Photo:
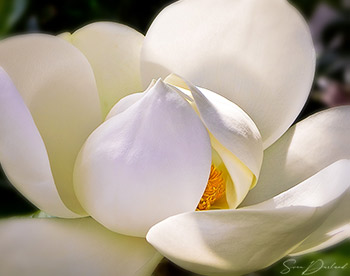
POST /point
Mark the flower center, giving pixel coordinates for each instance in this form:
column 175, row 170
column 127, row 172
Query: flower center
column 214, row 191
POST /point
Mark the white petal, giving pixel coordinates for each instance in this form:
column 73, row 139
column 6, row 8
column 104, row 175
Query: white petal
column 145, row 164
column 124, row 104
column 306, row 148
column 57, row 84
column 315, row 190
column 243, row 179
column 336, row 227
column 244, row 240
column 334, row 230
column 258, row 54
column 233, row 135
column 127, row 101
column 231, row 126
column 322, row 239
column 71, row 247
column 113, row 51
column 22, row 152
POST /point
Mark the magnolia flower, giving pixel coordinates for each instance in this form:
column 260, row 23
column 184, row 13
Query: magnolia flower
column 216, row 140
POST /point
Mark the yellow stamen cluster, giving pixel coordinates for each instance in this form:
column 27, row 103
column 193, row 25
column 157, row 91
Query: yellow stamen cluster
column 214, row 191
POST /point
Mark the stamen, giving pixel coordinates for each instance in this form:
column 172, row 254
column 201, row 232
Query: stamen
column 214, row 191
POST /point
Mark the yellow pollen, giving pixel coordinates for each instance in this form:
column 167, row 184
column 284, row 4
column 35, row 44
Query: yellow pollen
column 214, row 191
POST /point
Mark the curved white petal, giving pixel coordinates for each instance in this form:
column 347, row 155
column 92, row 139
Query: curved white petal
column 231, row 126
column 334, row 230
column 145, row 164
column 243, row 179
column 233, row 135
column 127, row 101
column 258, row 54
column 124, row 104
column 244, row 240
column 71, row 247
column 113, row 51
column 57, row 84
column 306, row 148
column 321, row 240
column 22, row 152
column 336, row 227
column 302, row 151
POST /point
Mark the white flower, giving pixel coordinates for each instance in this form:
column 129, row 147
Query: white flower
column 153, row 157
column 144, row 170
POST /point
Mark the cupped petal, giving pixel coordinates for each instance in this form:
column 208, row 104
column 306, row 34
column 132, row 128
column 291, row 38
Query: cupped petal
column 23, row 154
column 244, row 240
column 233, row 135
column 306, row 148
column 334, row 230
column 113, row 51
column 322, row 239
column 145, row 164
column 231, row 127
column 57, row 84
column 71, row 247
column 258, row 54
column 336, row 227
column 242, row 178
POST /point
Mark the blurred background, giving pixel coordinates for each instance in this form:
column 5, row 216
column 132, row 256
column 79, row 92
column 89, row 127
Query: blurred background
column 329, row 21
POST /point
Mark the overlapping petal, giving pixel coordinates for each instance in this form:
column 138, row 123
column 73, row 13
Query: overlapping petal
column 113, row 51
column 128, row 101
column 23, row 154
column 244, row 240
column 306, row 148
column 57, row 85
column 233, row 135
column 71, row 247
column 335, row 229
column 258, row 54
column 144, row 164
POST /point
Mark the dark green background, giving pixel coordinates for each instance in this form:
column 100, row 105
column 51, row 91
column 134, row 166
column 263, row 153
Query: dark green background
column 24, row 16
